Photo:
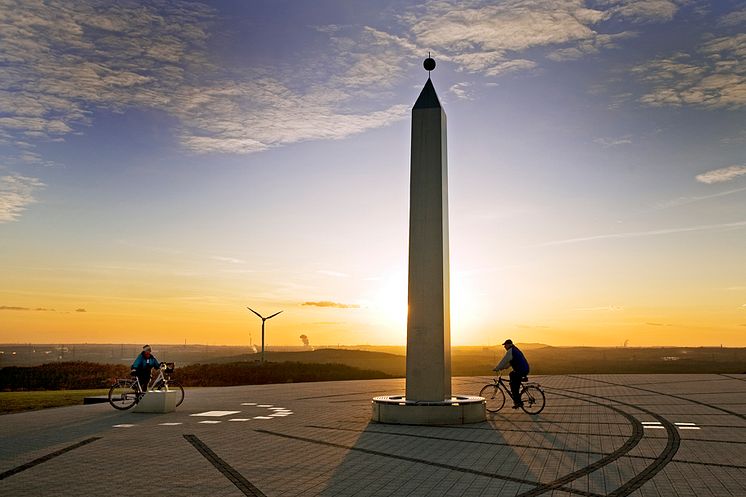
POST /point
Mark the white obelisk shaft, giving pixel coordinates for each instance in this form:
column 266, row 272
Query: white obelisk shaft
column 428, row 321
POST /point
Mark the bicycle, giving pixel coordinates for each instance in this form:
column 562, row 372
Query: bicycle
column 532, row 395
column 126, row 392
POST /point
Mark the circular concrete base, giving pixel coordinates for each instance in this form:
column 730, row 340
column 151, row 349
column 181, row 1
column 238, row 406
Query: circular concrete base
column 458, row 410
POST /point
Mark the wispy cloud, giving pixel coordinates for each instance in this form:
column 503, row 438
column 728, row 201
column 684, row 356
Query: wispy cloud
column 484, row 37
column 613, row 142
column 462, row 90
column 367, row 57
column 695, row 198
column 64, row 60
column 531, row 326
column 607, row 308
column 327, row 303
column 16, row 193
column 230, row 260
column 644, row 11
column 713, row 76
column 723, row 174
column 243, row 117
column 735, row 18
column 336, row 274
column 80, row 309
column 637, row 234
column 16, row 308
column 591, row 46
column 658, row 324
column 737, row 138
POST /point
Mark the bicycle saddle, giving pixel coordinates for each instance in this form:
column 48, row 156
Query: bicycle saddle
column 524, row 379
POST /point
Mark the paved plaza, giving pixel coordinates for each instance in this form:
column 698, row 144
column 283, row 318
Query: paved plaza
column 682, row 435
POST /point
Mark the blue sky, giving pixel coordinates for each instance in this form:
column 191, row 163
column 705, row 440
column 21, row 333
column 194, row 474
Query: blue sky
column 183, row 158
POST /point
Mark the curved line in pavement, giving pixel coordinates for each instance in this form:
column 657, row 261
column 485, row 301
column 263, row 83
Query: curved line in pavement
column 631, row 443
column 739, row 415
column 672, row 446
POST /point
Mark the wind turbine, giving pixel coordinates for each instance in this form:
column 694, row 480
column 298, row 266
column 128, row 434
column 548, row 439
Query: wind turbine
column 263, row 320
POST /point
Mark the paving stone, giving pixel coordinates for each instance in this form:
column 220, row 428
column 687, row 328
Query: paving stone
column 588, row 440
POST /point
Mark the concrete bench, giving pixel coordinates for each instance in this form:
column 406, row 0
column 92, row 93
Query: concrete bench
column 158, row 402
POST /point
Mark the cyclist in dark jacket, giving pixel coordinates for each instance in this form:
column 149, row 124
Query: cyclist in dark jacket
column 142, row 366
column 515, row 358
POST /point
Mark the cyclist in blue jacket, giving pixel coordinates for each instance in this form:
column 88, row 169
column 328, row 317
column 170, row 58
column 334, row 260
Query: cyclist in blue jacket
column 144, row 362
column 515, row 358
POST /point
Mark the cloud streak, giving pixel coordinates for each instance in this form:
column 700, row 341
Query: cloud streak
column 722, row 175
column 335, row 274
column 613, row 142
column 689, row 200
column 487, row 37
column 16, row 308
column 713, row 76
column 230, row 260
column 327, row 303
column 16, row 193
column 637, row 234
column 461, row 90
column 644, row 11
column 608, row 308
column 63, row 61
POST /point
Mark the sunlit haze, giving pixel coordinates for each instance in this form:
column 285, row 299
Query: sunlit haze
column 163, row 165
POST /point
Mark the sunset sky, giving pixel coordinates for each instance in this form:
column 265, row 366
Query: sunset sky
column 165, row 164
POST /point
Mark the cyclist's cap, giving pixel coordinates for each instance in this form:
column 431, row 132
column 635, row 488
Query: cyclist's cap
column 508, row 342
column 146, row 348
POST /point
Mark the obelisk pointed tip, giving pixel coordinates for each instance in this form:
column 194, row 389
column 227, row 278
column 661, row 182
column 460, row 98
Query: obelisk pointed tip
column 428, row 99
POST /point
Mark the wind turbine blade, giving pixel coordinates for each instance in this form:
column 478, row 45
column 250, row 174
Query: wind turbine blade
column 252, row 310
column 273, row 315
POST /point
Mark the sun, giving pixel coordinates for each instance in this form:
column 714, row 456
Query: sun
column 388, row 305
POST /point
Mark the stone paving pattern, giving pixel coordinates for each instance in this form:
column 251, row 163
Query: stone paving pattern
column 599, row 435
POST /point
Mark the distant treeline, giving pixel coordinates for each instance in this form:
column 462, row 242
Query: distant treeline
column 60, row 376
column 251, row 373
column 87, row 375
column 620, row 360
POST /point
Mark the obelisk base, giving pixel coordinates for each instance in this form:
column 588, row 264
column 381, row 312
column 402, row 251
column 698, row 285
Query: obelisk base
column 458, row 410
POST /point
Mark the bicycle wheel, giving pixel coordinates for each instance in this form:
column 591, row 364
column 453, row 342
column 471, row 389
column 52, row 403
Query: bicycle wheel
column 493, row 396
column 122, row 396
column 173, row 386
column 533, row 399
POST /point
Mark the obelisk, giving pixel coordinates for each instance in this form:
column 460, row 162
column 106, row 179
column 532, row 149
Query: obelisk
column 428, row 320
column 428, row 399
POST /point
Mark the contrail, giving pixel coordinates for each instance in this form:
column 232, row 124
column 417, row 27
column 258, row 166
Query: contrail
column 635, row 234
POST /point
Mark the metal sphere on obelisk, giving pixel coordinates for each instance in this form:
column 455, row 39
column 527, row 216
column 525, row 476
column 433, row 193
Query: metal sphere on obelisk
column 428, row 398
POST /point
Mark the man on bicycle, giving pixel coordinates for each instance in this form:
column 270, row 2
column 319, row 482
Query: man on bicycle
column 144, row 362
column 515, row 358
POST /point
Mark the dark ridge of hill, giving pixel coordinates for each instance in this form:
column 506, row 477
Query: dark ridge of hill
column 615, row 360
column 254, row 373
column 88, row 375
column 391, row 364
column 465, row 360
column 36, row 354
column 478, row 361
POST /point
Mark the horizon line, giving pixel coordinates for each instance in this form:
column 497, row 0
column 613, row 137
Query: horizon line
column 339, row 345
